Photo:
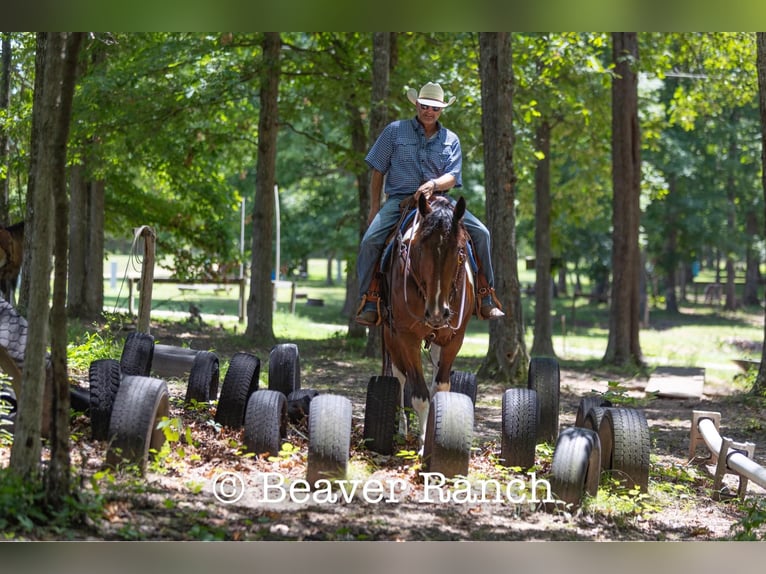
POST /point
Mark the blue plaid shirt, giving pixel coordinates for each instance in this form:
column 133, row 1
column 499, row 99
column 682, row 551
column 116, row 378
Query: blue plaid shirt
column 409, row 160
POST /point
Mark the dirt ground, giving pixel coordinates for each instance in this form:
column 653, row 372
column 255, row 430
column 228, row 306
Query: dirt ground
column 176, row 500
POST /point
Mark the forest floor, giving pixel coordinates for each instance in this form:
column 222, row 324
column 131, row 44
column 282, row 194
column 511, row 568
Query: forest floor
column 176, row 498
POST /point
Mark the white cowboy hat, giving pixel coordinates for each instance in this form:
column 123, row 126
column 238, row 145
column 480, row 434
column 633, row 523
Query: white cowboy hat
column 430, row 95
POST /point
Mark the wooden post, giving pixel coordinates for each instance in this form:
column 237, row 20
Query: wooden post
column 292, row 299
column 242, row 283
column 147, row 279
column 130, row 296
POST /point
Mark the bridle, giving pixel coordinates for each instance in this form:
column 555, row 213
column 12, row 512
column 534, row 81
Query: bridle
column 409, row 272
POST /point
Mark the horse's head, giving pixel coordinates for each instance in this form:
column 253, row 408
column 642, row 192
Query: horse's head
column 437, row 252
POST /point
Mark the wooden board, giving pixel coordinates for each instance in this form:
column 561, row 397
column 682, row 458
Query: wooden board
column 677, row 382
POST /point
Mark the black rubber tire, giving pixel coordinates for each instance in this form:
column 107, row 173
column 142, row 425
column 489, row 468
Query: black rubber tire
column 104, row 377
column 544, row 377
column 329, row 438
column 380, row 411
column 13, row 332
column 8, row 396
column 79, row 399
column 521, row 414
column 449, row 434
column 299, row 405
column 204, row 377
column 240, row 382
column 625, row 446
column 265, row 422
column 576, row 466
column 592, row 420
column 140, row 404
column 284, row 368
column 586, row 404
column 137, row 354
column 465, row 383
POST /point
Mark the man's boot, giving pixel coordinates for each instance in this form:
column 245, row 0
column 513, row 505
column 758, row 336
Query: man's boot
column 368, row 313
column 488, row 305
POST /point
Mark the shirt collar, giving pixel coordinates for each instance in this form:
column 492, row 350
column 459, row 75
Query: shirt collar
column 420, row 129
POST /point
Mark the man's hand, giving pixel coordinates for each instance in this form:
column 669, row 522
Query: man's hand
column 426, row 190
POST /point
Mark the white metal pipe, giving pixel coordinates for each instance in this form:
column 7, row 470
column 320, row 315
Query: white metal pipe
column 735, row 460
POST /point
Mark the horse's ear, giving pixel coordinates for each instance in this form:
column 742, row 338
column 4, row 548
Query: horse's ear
column 459, row 210
column 423, row 205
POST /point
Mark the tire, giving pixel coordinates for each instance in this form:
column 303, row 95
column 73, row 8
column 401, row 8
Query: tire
column 576, row 466
column 240, row 382
column 449, row 435
column 544, row 378
column 13, row 332
column 299, row 405
column 137, row 354
column 140, row 404
column 265, row 422
column 593, row 418
column 465, row 383
column 329, row 438
column 521, row 414
column 104, row 377
column 79, row 399
column 380, row 414
column 586, row 404
column 284, row 368
column 8, row 396
column 625, row 445
column 203, row 378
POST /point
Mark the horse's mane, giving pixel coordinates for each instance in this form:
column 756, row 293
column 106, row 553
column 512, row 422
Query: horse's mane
column 440, row 218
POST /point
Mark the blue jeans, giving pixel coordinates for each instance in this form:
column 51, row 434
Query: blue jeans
column 374, row 241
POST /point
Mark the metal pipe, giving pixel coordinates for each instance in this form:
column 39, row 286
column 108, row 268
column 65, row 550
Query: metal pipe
column 735, row 460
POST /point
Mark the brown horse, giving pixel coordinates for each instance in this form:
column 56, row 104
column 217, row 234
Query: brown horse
column 430, row 301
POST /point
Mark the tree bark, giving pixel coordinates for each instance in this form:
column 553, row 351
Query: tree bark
column 506, row 359
column 85, row 293
column 759, row 386
column 58, row 483
column 383, row 45
column 260, row 310
column 730, row 293
column 623, row 346
column 5, row 102
column 54, row 78
column 542, row 344
column 752, row 261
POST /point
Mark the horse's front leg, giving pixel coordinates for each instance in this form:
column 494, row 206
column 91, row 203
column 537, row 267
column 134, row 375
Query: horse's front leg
column 421, row 400
column 402, row 411
column 440, row 380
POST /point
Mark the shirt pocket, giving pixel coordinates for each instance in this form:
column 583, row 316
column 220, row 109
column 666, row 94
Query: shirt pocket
column 405, row 150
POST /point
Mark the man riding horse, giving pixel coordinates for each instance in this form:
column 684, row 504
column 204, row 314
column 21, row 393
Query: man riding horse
column 417, row 156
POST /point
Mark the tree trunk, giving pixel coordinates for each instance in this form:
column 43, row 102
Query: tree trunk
column 5, row 102
column 58, row 483
column 730, row 293
column 54, row 85
column 752, row 261
column 85, row 293
column 759, row 386
column 506, row 359
column 542, row 344
column 624, row 315
column 260, row 310
column 383, row 46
